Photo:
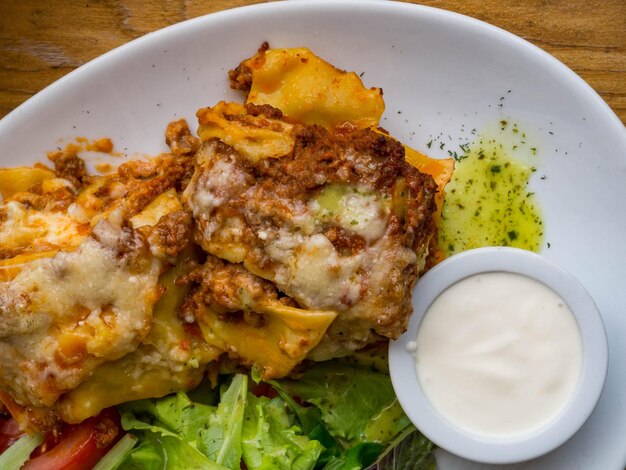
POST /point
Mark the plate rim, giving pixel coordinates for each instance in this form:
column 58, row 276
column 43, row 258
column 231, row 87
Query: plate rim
column 228, row 14
column 616, row 131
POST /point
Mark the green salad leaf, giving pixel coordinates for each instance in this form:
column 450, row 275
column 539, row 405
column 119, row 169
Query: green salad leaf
column 159, row 452
column 310, row 418
column 118, row 453
column 355, row 413
column 348, row 397
column 221, row 440
column 160, row 448
column 411, row 450
column 174, row 413
column 19, row 452
column 177, row 431
column 387, row 424
column 337, row 416
column 356, row 458
column 271, row 440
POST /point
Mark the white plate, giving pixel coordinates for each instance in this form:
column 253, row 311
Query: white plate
column 442, row 73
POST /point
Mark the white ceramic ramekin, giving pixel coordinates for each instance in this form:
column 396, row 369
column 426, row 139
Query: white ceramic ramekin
column 526, row 446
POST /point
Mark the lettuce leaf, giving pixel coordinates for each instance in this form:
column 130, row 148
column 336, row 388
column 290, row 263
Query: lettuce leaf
column 355, row 413
column 221, row 438
column 271, row 440
column 161, row 448
column 348, row 418
column 355, row 458
column 310, row 418
column 387, row 424
column 19, row 452
column 349, row 399
column 158, row 452
column 175, row 413
column 175, row 429
column 411, row 450
column 117, row 454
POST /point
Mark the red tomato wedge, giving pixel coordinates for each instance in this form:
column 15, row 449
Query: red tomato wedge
column 262, row 389
column 81, row 446
column 9, row 433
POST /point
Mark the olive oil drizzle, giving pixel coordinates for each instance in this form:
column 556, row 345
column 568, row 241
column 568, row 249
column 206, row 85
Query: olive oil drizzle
column 488, row 202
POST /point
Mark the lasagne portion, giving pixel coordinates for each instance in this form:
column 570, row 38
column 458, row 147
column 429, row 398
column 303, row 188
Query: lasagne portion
column 334, row 218
column 80, row 265
column 292, row 228
column 250, row 319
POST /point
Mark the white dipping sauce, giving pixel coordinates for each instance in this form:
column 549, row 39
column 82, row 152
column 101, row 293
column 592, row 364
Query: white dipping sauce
column 498, row 354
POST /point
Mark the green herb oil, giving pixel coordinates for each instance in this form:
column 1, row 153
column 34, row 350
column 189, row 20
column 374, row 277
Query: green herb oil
column 488, row 202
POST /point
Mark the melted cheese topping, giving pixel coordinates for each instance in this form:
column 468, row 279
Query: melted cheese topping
column 25, row 226
column 169, row 359
column 76, row 313
column 320, row 277
column 219, row 183
column 76, row 309
column 65, row 314
column 90, row 277
column 356, row 210
column 284, row 240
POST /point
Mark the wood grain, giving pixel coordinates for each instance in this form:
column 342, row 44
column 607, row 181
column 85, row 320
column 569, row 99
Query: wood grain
column 42, row 41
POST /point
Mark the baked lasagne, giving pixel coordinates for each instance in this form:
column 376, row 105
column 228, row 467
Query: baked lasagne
column 291, row 228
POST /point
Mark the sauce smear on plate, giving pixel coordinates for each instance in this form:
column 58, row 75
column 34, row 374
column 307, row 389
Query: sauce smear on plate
column 488, row 202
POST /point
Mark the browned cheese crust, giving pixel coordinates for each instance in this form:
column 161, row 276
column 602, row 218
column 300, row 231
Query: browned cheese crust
column 341, row 222
column 80, row 263
column 301, row 228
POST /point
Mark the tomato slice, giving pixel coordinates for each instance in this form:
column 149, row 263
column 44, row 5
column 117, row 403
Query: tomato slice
column 81, row 446
column 9, row 433
column 262, row 389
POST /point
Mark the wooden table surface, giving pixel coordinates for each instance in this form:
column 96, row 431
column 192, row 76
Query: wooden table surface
column 40, row 41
